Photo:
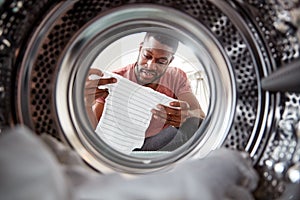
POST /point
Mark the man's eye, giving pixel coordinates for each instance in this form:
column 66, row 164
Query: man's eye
column 162, row 62
column 147, row 57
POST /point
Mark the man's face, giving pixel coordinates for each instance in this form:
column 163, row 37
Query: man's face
column 153, row 60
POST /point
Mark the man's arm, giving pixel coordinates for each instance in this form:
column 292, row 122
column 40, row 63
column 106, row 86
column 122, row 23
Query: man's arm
column 97, row 111
column 195, row 109
column 93, row 94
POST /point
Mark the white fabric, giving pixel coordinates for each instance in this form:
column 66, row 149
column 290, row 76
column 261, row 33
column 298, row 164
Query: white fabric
column 127, row 113
column 30, row 170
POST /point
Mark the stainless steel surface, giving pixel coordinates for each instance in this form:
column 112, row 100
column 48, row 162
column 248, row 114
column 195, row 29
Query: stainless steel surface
column 46, row 49
column 75, row 64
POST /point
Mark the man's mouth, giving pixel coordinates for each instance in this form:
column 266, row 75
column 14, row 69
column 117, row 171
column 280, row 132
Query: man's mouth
column 146, row 74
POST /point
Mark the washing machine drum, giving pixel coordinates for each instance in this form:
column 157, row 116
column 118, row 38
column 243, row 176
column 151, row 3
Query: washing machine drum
column 226, row 49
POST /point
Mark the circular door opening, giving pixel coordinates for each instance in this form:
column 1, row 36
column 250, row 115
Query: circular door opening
column 83, row 53
column 48, row 47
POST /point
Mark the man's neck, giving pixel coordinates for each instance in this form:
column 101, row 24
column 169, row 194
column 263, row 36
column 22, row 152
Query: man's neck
column 152, row 85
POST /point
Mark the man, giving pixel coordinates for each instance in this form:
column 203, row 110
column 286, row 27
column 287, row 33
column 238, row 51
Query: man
column 152, row 70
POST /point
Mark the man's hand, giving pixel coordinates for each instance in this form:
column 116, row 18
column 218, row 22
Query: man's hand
column 93, row 81
column 92, row 93
column 175, row 114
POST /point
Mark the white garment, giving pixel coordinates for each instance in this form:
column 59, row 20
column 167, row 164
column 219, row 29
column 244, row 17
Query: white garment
column 127, row 113
column 30, row 170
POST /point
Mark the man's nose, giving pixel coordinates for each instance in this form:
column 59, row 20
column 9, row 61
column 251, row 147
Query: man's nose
column 151, row 64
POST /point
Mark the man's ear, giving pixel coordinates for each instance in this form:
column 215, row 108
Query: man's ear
column 171, row 59
column 141, row 46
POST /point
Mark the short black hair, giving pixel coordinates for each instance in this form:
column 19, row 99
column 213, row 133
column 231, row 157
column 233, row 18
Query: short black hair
column 164, row 39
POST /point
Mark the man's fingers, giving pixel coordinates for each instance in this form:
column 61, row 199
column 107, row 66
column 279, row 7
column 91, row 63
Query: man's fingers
column 94, row 71
column 168, row 110
column 182, row 104
column 173, row 116
column 101, row 93
column 105, row 81
column 165, row 118
column 94, row 78
column 92, row 86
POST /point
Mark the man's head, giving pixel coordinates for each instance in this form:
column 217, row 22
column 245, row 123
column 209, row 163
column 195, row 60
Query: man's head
column 155, row 54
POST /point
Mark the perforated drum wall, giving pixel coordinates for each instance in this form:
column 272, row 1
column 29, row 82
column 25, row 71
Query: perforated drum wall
column 253, row 36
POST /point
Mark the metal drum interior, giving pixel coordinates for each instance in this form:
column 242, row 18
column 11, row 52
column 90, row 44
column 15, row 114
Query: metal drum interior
column 46, row 49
